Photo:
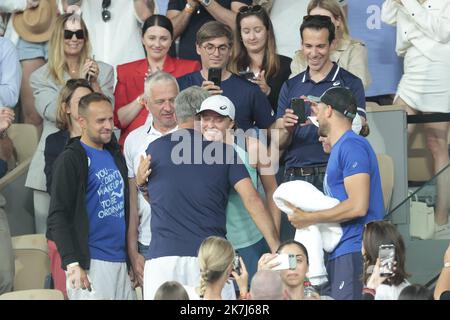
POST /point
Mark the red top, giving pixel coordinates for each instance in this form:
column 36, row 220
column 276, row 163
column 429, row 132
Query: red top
column 130, row 84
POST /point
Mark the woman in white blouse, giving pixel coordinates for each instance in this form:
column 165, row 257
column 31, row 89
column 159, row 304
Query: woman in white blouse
column 423, row 39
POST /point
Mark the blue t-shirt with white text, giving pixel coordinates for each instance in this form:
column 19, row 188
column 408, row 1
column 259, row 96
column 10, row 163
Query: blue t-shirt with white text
column 105, row 205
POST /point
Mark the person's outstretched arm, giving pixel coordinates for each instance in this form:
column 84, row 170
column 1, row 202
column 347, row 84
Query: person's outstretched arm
column 443, row 283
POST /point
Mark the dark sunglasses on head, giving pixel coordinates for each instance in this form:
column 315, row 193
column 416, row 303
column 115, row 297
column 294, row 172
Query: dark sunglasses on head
column 317, row 17
column 79, row 34
column 249, row 9
column 106, row 14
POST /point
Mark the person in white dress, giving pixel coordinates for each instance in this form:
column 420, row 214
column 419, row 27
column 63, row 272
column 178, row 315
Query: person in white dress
column 423, row 39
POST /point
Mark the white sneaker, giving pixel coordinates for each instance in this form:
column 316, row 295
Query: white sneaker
column 442, row 231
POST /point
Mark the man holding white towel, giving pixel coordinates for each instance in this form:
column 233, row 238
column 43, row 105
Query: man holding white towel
column 352, row 177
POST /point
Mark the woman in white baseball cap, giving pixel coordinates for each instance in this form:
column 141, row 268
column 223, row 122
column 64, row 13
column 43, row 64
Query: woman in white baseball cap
column 217, row 123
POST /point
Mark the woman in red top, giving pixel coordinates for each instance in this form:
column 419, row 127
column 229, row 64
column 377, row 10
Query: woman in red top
column 157, row 37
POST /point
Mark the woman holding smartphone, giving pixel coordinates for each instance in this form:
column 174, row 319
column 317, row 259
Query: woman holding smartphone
column 382, row 234
column 215, row 258
column 157, row 37
column 293, row 279
column 254, row 53
column 68, row 58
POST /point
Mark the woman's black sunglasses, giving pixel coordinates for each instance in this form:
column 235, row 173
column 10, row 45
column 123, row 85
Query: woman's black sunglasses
column 79, row 34
column 250, row 9
column 106, row 14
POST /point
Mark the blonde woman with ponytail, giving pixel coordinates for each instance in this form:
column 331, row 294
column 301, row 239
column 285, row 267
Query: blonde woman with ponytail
column 215, row 259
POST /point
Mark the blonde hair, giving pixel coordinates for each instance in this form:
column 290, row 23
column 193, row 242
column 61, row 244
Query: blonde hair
column 63, row 120
column 215, row 255
column 171, row 290
column 57, row 63
column 337, row 12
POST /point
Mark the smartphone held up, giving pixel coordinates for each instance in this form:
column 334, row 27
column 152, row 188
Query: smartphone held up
column 88, row 75
column 247, row 75
column 386, row 254
column 237, row 263
column 285, row 261
column 215, row 75
column 299, row 107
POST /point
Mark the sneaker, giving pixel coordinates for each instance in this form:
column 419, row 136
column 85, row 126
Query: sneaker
column 442, row 232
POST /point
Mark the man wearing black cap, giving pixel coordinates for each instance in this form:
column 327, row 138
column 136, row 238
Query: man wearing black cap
column 353, row 178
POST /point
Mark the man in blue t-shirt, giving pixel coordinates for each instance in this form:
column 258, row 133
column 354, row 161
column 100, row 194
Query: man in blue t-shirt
column 89, row 208
column 188, row 16
column 214, row 41
column 188, row 192
column 353, row 178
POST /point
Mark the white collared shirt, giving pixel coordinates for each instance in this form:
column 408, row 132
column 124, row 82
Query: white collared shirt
column 426, row 26
column 136, row 144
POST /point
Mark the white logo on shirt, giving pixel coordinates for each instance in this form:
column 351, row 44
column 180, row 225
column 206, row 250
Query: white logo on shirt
column 336, row 83
column 355, row 164
column 342, row 285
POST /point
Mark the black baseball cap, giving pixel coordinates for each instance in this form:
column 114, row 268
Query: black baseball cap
column 340, row 99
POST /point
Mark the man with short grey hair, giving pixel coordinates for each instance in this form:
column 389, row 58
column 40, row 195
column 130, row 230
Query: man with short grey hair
column 187, row 105
column 188, row 190
column 160, row 90
column 267, row 285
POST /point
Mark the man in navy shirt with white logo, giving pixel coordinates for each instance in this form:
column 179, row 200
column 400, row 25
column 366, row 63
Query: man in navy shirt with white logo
column 188, row 192
column 303, row 154
column 353, row 178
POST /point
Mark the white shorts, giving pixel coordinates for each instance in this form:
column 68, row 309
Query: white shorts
column 185, row 270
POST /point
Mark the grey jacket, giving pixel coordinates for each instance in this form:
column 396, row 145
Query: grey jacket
column 46, row 93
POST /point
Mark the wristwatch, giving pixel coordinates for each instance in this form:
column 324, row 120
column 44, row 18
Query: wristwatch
column 206, row 3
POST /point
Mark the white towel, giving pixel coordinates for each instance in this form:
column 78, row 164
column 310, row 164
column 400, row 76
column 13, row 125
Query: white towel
column 316, row 238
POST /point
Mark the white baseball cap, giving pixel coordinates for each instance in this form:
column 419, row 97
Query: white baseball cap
column 220, row 104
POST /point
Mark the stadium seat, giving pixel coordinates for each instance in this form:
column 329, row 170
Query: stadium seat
column 32, row 262
column 20, row 213
column 33, row 294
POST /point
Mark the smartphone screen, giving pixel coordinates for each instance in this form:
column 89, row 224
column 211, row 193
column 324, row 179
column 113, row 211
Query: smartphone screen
column 248, row 75
column 298, row 106
column 286, row 261
column 236, row 264
column 386, row 254
column 215, row 75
